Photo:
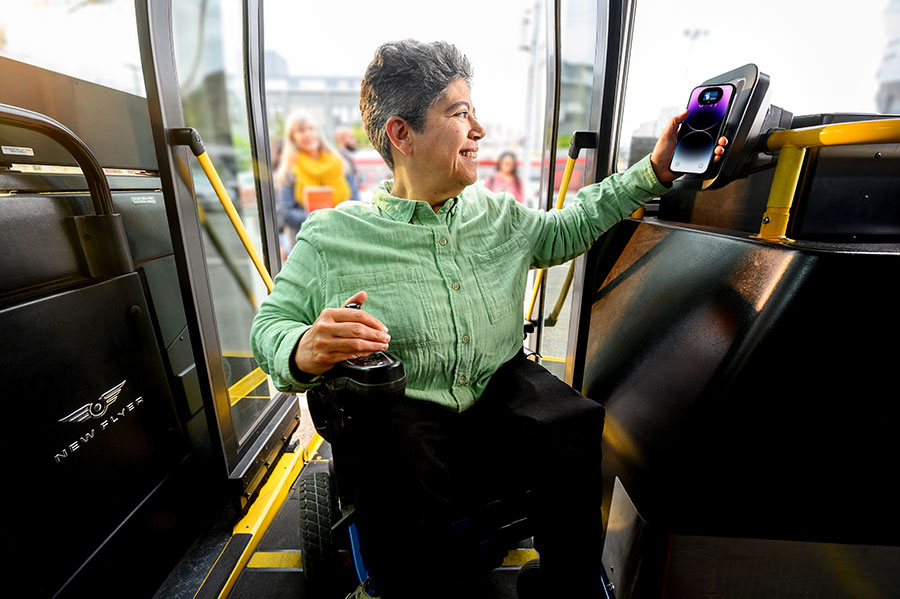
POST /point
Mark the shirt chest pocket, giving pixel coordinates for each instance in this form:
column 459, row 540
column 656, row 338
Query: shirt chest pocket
column 501, row 277
column 400, row 300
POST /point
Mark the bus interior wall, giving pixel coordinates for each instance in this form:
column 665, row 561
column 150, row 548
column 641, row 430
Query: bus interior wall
column 749, row 385
column 116, row 436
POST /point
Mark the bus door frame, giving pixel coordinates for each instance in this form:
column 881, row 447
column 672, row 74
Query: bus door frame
column 248, row 459
column 615, row 26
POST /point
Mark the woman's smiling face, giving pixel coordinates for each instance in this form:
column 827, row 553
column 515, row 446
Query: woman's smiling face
column 446, row 150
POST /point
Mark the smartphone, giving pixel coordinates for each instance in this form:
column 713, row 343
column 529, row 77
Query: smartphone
column 708, row 110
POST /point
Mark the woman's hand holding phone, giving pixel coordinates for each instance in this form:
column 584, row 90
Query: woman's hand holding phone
column 663, row 152
column 699, row 143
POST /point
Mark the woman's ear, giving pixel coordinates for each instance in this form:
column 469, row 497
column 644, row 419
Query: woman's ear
column 400, row 134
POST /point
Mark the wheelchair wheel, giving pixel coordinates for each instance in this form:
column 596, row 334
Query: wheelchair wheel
column 318, row 549
column 530, row 581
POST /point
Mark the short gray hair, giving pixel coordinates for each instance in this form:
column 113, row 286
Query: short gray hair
column 404, row 79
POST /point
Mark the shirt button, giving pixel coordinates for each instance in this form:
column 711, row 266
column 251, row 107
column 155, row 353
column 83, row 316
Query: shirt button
column 465, row 339
column 442, row 241
column 462, row 379
column 455, row 286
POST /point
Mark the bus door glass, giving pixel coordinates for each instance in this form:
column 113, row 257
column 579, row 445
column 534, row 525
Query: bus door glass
column 577, row 20
column 209, row 57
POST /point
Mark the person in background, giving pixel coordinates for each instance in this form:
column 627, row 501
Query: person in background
column 345, row 140
column 506, row 178
column 306, row 161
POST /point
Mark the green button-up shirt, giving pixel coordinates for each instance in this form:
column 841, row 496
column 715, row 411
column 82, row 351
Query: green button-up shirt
column 449, row 285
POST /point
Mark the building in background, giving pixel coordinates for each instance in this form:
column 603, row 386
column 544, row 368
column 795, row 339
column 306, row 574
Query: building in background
column 333, row 101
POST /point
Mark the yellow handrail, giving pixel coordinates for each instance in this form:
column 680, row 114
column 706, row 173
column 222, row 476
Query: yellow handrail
column 837, row 134
column 563, row 189
column 235, row 219
column 792, row 145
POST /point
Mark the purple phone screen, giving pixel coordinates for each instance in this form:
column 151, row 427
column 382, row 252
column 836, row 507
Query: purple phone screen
column 697, row 138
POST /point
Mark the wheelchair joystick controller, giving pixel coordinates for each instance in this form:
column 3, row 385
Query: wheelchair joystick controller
column 380, row 373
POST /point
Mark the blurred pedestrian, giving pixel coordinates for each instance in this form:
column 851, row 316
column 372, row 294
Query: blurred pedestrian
column 506, row 177
column 307, row 164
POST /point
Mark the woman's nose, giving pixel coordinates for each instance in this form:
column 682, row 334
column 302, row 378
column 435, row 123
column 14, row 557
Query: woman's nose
column 477, row 132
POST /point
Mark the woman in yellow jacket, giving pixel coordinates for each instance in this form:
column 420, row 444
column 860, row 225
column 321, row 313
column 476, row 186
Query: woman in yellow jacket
column 306, row 162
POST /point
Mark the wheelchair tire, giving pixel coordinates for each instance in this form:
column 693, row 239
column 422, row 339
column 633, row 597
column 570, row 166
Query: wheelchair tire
column 530, row 582
column 317, row 547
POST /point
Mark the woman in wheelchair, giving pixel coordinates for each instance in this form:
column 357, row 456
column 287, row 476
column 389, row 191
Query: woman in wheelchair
column 439, row 267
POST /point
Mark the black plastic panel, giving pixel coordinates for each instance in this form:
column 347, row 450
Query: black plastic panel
column 749, row 387
column 95, row 431
column 38, row 242
column 165, row 295
column 836, row 204
column 39, row 245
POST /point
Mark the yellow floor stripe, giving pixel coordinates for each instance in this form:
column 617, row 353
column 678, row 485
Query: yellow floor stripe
column 519, row 557
column 247, row 384
column 276, row 559
column 552, row 359
column 259, row 516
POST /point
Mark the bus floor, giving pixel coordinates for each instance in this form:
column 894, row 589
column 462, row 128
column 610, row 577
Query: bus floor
column 275, row 569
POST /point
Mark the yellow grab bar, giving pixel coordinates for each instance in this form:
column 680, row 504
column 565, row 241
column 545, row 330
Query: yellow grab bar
column 563, row 189
column 189, row 137
column 235, row 219
column 792, row 145
column 837, row 134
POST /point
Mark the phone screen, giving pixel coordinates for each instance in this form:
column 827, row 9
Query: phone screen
column 707, row 113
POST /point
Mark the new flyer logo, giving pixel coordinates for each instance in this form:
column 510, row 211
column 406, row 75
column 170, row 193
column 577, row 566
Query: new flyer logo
column 96, row 410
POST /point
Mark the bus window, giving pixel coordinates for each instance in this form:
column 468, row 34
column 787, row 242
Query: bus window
column 316, row 56
column 818, row 60
column 81, row 47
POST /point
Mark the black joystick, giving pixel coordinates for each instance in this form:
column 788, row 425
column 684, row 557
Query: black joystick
column 380, row 373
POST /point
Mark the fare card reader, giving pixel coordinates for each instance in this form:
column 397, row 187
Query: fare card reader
column 750, row 118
